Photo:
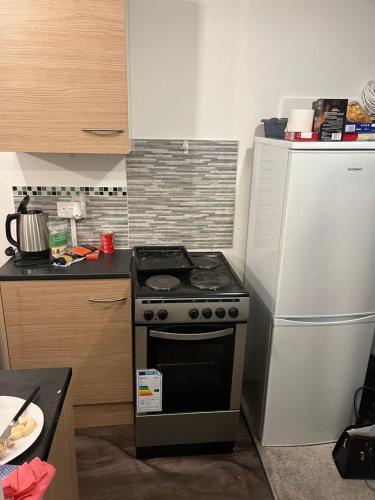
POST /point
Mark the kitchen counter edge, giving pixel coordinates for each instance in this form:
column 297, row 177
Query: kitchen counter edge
column 109, row 266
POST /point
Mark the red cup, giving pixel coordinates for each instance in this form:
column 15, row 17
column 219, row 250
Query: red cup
column 106, row 242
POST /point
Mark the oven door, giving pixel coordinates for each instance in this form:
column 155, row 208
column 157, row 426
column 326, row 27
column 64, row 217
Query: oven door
column 196, row 362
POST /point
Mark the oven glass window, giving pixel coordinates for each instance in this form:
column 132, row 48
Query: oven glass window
column 197, row 374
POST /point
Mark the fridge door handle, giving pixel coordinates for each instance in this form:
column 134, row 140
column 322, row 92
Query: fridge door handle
column 324, row 321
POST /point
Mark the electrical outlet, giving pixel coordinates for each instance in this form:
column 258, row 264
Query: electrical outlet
column 65, row 209
column 74, row 209
column 71, row 209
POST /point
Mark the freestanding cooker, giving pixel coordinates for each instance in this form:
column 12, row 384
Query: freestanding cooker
column 190, row 314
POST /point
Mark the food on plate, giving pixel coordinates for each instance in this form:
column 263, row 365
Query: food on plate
column 17, row 433
column 3, row 448
column 29, row 427
column 23, row 428
column 10, row 442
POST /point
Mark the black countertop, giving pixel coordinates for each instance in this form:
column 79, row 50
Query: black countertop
column 109, row 266
column 53, row 383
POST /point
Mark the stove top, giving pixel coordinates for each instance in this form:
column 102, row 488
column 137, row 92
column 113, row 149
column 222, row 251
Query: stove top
column 211, row 275
column 209, row 292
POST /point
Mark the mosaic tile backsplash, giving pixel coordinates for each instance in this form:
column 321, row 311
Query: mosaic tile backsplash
column 106, row 209
column 173, row 195
column 68, row 191
column 182, row 197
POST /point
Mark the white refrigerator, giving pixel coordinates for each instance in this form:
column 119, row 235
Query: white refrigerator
column 310, row 269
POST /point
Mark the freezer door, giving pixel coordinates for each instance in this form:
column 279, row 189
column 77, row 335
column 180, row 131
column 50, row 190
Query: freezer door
column 327, row 252
column 314, row 371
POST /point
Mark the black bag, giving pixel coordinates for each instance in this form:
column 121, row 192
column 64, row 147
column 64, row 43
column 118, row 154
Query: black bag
column 354, row 456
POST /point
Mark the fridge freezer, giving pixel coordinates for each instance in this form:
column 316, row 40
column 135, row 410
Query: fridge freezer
column 310, row 265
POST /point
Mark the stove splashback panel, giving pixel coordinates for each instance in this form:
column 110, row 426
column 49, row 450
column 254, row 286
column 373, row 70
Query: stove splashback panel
column 178, row 197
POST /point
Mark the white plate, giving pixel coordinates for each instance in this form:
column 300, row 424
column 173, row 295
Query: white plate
column 9, row 405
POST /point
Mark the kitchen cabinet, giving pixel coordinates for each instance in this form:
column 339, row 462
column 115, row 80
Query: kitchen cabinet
column 84, row 324
column 63, row 85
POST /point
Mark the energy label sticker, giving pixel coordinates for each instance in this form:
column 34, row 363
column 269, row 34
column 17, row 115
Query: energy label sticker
column 149, row 385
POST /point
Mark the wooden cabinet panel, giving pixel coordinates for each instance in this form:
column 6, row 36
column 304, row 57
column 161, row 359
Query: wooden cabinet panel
column 54, row 324
column 63, row 457
column 63, row 68
column 106, row 414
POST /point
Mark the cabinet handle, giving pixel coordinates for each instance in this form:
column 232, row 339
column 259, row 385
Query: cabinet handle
column 103, row 131
column 108, row 301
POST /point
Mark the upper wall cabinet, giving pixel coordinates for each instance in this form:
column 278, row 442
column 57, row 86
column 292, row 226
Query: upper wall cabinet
column 63, row 76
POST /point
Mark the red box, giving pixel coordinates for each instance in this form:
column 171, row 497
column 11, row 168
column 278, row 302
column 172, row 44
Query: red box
column 350, row 136
column 301, row 136
column 94, row 255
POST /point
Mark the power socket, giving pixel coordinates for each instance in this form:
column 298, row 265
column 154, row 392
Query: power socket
column 65, row 209
column 71, row 209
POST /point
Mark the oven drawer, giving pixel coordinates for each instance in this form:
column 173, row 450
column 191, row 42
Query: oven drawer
column 186, row 428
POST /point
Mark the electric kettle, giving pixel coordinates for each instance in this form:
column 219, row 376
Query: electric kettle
column 32, row 231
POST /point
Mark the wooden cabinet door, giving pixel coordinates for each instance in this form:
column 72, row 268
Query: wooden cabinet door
column 63, row 69
column 69, row 324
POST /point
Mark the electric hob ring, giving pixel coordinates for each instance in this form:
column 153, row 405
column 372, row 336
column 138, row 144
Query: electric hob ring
column 162, row 282
column 202, row 262
column 209, row 280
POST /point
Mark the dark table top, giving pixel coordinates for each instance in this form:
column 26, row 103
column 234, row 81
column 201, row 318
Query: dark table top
column 109, row 266
column 53, row 383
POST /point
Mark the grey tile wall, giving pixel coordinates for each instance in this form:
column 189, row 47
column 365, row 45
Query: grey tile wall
column 106, row 209
column 172, row 197
column 182, row 198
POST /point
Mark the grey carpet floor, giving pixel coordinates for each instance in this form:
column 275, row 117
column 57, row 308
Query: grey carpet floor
column 309, row 473
column 108, row 470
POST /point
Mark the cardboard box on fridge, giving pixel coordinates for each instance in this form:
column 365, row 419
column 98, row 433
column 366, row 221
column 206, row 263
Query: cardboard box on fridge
column 355, row 136
column 329, row 118
column 350, row 136
column 301, row 136
column 359, row 127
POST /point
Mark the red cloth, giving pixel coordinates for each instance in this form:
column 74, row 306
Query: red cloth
column 29, row 482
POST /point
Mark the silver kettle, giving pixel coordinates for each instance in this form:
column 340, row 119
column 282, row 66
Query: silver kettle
column 32, row 231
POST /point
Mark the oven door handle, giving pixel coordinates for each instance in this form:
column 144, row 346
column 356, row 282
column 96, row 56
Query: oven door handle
column 191, row 336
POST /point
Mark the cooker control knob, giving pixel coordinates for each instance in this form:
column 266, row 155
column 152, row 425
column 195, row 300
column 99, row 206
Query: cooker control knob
column 220, row 312
column 148, row 314
column 194, row 313
column 233, row 312
column 163, row 314
column 207, row 313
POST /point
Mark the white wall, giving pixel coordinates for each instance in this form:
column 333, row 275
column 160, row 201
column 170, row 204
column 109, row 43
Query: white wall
column 211, row 69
